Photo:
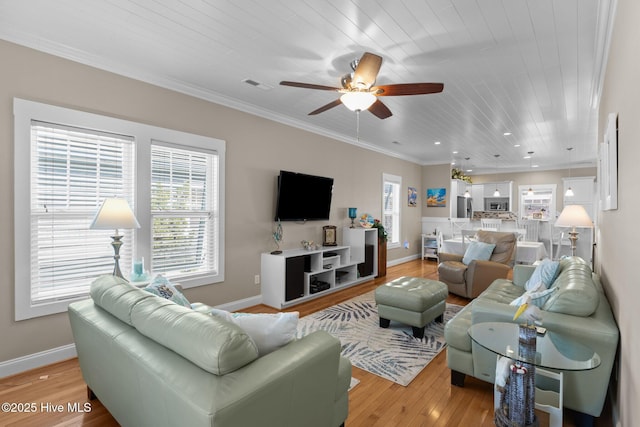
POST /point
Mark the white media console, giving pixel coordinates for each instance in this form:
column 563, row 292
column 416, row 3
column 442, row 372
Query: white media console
column 298, row 275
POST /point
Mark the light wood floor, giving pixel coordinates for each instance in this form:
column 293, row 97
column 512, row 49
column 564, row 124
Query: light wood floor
column 429, row 400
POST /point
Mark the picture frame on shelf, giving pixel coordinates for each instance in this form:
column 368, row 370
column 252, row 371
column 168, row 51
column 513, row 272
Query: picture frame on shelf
column 329, row 235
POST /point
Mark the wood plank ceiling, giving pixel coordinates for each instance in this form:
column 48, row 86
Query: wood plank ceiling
column 529, row 67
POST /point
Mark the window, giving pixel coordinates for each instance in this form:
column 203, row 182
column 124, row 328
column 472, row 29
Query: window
column 391, row 196
column 67, row 162
column 540, row 203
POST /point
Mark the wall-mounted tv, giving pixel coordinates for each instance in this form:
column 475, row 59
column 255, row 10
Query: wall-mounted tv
column 302, row 197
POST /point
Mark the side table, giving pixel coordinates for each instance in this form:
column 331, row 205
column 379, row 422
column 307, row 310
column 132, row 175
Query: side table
column 505, row 339
column 430, row 246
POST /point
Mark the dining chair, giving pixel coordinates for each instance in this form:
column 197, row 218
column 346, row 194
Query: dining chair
column 532, row 229
column 492, row 224
column 459, row 224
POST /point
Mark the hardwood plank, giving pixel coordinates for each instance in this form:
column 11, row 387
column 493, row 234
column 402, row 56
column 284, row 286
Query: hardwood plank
column 429, row 400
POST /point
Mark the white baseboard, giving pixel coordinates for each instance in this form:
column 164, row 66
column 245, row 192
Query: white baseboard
column 240, row 304
column 403, row 260
column 37, row 360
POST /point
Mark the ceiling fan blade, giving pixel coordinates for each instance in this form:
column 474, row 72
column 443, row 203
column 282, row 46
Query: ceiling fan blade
column 407, row 89
column 309, row 86
column 380, row 110
column 326, row 107
column 366, row 72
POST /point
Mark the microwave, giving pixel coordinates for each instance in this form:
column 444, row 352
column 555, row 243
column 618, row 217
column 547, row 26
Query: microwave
column 496, row 205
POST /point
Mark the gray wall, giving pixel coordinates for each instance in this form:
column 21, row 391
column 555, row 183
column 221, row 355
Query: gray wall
column 618, row 233
column 256, row 150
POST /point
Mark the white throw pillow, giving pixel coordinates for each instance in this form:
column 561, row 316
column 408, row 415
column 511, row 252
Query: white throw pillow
column 269, row 331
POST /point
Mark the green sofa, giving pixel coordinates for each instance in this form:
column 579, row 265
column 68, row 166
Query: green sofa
column 152, row 362
column 578, row 309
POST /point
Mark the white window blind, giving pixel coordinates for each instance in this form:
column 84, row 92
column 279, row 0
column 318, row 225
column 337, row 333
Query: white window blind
column 72, row 171
column 184, row 211
column 391, row 196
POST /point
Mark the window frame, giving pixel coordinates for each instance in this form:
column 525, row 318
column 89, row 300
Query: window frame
column 144, row 136
column 396, row 211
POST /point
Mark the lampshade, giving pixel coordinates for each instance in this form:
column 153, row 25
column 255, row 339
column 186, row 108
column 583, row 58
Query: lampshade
column 355, row 101
column 114, row 214
column 574, row 216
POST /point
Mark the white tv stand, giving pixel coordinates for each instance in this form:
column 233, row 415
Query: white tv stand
column 287, row 278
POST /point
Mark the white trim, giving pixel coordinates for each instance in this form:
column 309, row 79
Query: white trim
column 241, row 303
column 37, row 360
column 403, row 260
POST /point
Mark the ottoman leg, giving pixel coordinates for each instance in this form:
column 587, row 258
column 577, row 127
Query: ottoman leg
column 418, row 332
column 440, row 318
column 384, row 323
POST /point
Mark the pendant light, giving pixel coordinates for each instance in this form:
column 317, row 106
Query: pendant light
column 530, row 191
column 497, row 192
column 569, row 192
column 466, row 190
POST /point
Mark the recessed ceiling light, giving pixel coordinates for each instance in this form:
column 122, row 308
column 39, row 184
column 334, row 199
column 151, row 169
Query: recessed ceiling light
column 527, row 157
column 455, row 152
column 507, row 133
column 516, row 145
column 469, row 170
column 535, row 166
column 453, row 163
column 437, row 143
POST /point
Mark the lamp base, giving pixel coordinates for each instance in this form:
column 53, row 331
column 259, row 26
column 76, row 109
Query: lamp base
column 573, row 236
column 117, row 243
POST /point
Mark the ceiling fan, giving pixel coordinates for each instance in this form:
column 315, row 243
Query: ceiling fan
column 358, row 90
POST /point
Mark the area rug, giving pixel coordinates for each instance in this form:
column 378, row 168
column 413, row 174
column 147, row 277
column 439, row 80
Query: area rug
column 392, row 353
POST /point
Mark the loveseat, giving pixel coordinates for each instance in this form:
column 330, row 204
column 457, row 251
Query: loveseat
column 577, row 307
column 152, row 362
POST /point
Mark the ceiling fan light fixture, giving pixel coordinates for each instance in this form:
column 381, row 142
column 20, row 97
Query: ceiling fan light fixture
column 358, row 101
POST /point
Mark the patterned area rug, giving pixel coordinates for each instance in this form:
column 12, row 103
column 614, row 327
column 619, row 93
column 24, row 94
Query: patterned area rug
column 391, row 353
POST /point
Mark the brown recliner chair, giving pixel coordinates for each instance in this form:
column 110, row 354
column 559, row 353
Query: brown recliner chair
column 470, row 280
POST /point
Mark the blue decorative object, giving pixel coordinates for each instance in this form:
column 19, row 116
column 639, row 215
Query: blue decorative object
column 353, row 214
column 479, row 251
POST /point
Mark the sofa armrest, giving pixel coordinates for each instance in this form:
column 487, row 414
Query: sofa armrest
column 294, row 385
column 521, row 274
column 480, row 274
column 444, row 256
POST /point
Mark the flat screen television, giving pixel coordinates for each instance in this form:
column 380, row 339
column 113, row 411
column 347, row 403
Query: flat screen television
column 302, row 197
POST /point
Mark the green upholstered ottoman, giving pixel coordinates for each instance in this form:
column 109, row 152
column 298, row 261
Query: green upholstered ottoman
column 413, row 301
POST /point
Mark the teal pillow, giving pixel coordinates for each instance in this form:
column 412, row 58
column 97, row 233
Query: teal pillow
column 162, row 287
column 478, row 251
column 545, row 273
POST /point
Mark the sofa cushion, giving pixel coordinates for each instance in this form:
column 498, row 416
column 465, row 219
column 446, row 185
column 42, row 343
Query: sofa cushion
column 116, row 296
column 213, row 344
column 478, row 251
column 577, row 294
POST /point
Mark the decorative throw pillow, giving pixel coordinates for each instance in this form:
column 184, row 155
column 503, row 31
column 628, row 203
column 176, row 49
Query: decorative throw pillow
column 545, row 273
column 478, row 251
column 268, row 331
column 539, row 296
column 162, row 287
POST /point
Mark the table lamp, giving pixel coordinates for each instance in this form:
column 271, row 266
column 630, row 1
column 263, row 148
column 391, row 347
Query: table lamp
column 115, row 214
column 574, row 216
column 353, row 214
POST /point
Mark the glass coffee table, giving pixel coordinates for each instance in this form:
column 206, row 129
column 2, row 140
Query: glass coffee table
column 552, row 350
